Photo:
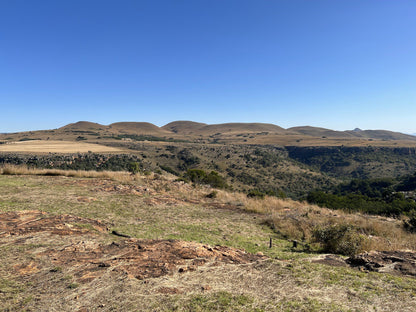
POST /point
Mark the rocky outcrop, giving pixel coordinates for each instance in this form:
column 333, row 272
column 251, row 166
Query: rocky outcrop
column 395, row 262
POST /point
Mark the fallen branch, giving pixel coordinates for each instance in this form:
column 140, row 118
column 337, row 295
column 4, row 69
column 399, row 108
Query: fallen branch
column 120, row 234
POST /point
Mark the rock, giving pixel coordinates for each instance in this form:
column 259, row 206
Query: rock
column 395, row 262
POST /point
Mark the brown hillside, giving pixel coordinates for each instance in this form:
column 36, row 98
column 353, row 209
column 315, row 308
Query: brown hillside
column 382, row 135
column 320, row 132
column 241, row 128
column 366, row 134
column 184, row 126
column 138, row 128
column 227, row 133
column 84, row 126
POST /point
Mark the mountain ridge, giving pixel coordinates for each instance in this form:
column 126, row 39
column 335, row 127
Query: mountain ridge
column 231, row 133
column 185, row 126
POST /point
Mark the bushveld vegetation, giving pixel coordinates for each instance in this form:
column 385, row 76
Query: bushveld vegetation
column 374, row 196
column 348, row 163
column 158, row 206
column 264, row 172
column 200, row 176
column 272, row 170
column 292, row 220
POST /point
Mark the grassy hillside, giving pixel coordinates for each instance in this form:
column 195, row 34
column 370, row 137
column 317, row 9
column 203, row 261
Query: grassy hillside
column 46, row 270
column 80, row 232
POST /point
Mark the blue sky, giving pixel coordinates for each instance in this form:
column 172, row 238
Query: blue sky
column 333, row 64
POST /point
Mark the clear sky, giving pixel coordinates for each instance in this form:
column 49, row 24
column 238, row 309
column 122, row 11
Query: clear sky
column 333, row 64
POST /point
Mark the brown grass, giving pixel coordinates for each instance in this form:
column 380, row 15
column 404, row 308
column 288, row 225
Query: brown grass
column 120, row 176
column 297, row 220
column 290, row 284
column 290, row 219
column 50, row 146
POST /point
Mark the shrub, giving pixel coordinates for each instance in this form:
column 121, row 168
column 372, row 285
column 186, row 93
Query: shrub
column 169, row 170
column 213, row 194
column 134, row 167
column 201, row 177
column 215, row 180
column 410, row 224
column 340, row 239
column 196, row 175
column 256, row 194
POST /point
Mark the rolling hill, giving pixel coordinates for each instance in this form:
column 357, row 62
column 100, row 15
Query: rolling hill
column 184, row 126
column 144, row 128
column 225, row 133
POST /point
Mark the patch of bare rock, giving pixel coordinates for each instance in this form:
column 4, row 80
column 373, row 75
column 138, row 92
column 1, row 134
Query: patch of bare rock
column 394, row 262
column 88, row 257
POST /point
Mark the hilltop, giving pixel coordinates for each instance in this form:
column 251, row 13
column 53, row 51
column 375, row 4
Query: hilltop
column 235, row 133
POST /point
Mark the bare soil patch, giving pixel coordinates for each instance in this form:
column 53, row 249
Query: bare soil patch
column 89, row 258
column 17, row 223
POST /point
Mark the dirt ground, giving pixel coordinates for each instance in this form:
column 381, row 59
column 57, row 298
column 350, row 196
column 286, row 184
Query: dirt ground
column 65, row 243
column 139, row 259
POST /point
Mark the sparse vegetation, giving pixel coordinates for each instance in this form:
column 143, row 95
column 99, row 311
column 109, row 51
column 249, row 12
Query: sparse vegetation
column 155, row 207
column 340, row 239
column 150, row 203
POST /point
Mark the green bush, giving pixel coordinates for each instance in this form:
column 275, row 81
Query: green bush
column 134, row 167
column 215, row 180
column 410, row 224
column 199, row 176
column 169, row 170
column 255, row 194
column 341, row 239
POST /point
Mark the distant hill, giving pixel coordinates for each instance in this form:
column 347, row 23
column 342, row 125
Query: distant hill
column 190, row 127
column 225, row 133
column 138, row 128
column 83, row 126
column 241, row 128
column 350, row 134
column 320, row 132
column 382, row 135
column 184, row 127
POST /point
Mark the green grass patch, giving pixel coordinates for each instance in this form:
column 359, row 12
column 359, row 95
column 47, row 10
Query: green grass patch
column 219, row 301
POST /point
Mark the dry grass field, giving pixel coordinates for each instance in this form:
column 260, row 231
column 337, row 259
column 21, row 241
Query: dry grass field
column 49, row 146
column 56, row 256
